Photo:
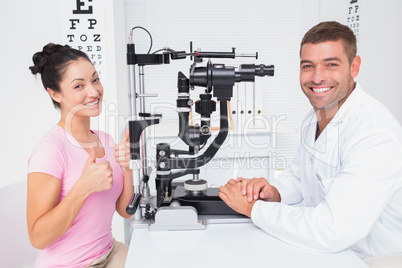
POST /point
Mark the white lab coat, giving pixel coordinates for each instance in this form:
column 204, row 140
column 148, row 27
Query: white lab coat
column 343, row 190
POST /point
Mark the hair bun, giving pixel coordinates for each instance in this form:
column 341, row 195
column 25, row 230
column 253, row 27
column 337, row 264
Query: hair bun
column 40, row 58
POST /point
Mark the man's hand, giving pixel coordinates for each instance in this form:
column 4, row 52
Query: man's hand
column 258, row 188
column 231, row 194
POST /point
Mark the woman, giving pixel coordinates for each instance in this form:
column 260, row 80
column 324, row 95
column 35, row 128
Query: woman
column 75, row 176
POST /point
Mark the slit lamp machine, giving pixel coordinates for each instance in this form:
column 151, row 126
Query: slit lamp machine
column 181, row 206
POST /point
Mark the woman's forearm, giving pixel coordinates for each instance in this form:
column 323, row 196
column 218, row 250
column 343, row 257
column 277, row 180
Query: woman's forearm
column 126, row 194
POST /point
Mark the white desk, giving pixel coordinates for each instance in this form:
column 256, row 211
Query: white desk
column 226, row 245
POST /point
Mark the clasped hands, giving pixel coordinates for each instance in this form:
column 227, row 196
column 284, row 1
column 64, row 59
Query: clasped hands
column 241, row 194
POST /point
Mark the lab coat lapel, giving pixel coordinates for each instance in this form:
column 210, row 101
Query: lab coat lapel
column 320, row 157
column 309, row 129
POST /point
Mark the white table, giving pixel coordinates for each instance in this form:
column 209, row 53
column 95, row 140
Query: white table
column 226, row 245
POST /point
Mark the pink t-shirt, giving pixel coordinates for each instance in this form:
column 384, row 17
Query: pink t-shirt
column 60, row 155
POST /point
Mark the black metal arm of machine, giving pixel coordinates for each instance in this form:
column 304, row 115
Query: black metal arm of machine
column 135, row 200
column 136, row 127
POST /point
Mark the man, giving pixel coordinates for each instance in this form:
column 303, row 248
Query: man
column 344, row 188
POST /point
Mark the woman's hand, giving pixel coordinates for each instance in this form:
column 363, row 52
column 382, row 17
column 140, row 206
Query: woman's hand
column 96, row 177
column 122, row 151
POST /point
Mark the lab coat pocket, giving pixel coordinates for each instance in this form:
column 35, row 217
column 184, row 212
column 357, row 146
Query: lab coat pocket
column 324, row 182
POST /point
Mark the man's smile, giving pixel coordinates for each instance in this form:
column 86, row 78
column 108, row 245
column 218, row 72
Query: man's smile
column 320, row 89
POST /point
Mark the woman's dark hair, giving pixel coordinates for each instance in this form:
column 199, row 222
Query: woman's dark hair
column 52, row 62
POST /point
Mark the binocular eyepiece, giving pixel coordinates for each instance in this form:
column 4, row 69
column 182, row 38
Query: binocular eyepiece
column 221, row 75
column 247, row 72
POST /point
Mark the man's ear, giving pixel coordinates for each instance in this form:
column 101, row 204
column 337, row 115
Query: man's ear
column 355, row 67
column 54, row 95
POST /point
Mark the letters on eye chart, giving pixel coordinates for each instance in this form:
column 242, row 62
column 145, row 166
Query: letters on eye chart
column 353, row 17
column 85, row 28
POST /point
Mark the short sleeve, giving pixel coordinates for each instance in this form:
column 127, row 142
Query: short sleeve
column 47, row 157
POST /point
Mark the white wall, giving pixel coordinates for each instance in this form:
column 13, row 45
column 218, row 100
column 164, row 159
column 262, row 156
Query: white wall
column 379, row 45
column 26, row 112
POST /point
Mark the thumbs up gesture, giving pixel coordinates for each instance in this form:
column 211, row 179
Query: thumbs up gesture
column 122, row 151
column 96, row 177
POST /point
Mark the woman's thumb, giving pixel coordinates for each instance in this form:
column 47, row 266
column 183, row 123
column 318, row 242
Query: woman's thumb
column 126, row 135
column 92, row 156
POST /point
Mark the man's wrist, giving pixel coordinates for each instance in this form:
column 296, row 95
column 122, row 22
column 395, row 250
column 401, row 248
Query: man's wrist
column 250, row 210
column 277, row 195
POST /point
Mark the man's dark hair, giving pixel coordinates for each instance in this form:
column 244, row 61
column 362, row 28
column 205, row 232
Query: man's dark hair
column 332, row 31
